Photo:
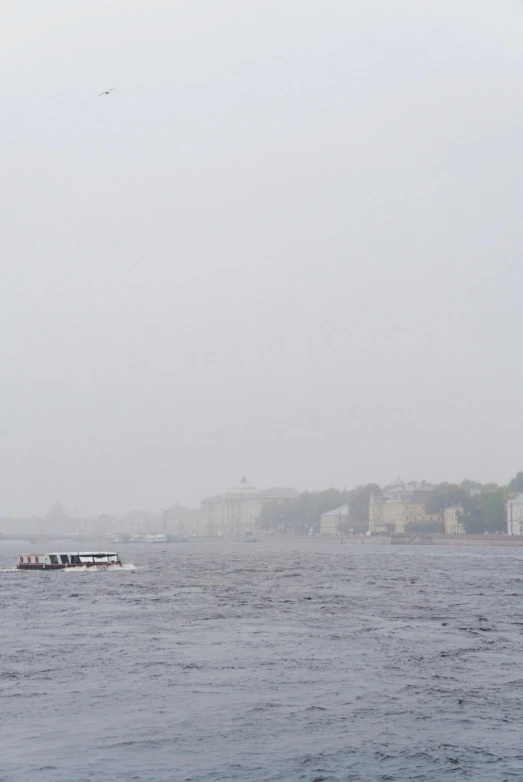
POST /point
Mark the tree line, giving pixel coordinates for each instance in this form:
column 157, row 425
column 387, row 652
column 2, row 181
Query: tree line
column 302, row 515
column 483, row 505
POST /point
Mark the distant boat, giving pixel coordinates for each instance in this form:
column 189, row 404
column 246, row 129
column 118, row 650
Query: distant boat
column 112, row 538
column 165, row 539
column 249, row 538
column 156, row 539
column 60, row 561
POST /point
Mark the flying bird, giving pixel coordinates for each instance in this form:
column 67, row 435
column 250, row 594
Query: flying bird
column 106, row 92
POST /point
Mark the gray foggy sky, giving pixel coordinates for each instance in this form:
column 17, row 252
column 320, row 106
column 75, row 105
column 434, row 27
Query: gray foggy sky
column 288, row 244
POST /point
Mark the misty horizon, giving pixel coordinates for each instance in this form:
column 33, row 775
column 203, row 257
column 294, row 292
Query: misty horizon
column 287, row 244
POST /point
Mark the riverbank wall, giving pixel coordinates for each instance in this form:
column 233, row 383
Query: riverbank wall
column 442, row 540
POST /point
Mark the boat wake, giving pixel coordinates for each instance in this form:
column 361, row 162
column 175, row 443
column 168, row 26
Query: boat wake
column 126, row 568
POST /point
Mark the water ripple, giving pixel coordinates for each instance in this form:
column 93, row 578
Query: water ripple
column 305, row 662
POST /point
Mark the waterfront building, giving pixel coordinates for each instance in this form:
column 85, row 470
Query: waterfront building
column 398, row 505
column 514, row 506
column 181, row 522
column 236, row 511
column 331, row 521
column 451, row 516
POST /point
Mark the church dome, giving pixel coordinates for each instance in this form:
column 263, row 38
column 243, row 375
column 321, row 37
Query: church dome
column 243, row 491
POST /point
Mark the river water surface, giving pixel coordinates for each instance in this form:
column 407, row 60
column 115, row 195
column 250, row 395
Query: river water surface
column 301, row 661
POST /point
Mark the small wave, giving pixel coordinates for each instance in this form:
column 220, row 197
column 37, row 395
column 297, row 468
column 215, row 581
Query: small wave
column 101, row 569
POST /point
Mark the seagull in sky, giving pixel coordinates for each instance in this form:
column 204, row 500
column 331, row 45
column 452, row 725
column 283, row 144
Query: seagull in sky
column 106, row 92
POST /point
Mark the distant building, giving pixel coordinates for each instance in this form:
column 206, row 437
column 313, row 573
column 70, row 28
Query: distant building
column 236, row 511
column 181, row 521
column 398, row 505
column 451, row 517
column 514, row 507
column 331, row 521
column 138, row 522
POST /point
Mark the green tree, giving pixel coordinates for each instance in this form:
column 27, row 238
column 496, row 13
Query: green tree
column 299, row 515
column 445, row 495
column 493, row 509
column 516, row 484
column 489, row 487
column 485, row 512
column 358, row 501
column 472, row 518
column 469, row 485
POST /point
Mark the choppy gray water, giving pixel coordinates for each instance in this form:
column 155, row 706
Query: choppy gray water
column 252, row 662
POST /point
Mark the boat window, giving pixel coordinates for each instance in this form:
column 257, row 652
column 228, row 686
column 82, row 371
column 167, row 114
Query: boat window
column 75, row 559
column 54, row 559
column 65, row 559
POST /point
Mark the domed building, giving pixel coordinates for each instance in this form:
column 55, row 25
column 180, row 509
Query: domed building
column 232, row 513
column 242, row 491
column 236, row 511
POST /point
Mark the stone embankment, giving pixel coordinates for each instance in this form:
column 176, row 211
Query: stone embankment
column 443, row 540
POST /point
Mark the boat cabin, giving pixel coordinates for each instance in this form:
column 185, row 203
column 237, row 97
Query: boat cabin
column 59, row 561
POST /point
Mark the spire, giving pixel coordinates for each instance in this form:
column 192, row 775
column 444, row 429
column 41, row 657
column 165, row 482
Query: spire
column 243, row 480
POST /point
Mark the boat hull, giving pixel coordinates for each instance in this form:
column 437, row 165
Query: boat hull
column 43, row 566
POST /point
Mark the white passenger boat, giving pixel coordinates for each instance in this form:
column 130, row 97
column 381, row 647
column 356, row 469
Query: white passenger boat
column 69, row 559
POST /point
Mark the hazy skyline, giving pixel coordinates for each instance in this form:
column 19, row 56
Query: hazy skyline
column 288, row 245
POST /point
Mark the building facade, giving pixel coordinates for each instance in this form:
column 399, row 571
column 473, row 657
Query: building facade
column 451, row 517
column 514, row 508
column 181, row 522
column 398, row 505
column 236, row 511
column 331, row 521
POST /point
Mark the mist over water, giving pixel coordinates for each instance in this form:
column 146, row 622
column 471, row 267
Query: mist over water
column 306, row 661
column 287, row 243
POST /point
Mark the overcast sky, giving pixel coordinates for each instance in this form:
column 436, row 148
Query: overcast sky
column 288, row 244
